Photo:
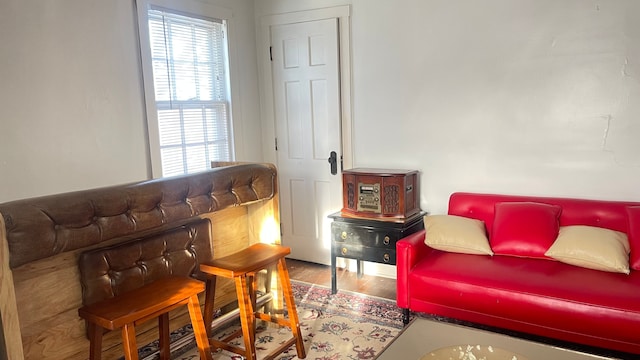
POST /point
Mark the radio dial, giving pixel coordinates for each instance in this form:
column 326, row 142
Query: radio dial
column 368, row 196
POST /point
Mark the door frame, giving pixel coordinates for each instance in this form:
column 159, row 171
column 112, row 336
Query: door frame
column 343, row 15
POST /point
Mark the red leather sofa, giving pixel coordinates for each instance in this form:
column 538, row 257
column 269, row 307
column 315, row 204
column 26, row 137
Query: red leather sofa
column 532, row 294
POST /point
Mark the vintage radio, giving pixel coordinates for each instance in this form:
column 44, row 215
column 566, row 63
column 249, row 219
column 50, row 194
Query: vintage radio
column 380, row 193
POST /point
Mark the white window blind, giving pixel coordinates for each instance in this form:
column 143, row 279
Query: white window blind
column 189, row 64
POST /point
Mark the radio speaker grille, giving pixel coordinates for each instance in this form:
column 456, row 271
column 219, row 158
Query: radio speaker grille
column 351, row 195
column 391, row 201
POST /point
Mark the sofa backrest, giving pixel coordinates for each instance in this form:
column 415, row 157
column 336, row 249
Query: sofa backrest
column 109, row 271
column 623, row 216
column 41, row 227
column 601, row 213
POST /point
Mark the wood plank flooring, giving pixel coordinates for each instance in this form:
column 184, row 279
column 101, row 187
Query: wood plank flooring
column 347, row 280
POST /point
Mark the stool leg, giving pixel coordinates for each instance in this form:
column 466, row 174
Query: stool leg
column 268, row 307
column 283, row 275
column 252, row 282
column 199, row 328
column 129, row 342
column 164, row 341
column 209, row 297
column 95, row 341
column 247, row 317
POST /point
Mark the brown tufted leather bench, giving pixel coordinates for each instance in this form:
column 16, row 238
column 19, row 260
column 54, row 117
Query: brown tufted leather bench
column 128, row 284
column 41, row 240
column 42, row 227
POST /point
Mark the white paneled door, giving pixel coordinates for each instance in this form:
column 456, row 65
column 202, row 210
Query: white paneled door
column 306, row 93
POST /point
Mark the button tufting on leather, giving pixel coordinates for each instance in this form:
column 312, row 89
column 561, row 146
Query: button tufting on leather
column 125, row 211
column 142, row 265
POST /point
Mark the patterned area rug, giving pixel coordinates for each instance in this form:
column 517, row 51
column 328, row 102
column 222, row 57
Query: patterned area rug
column 342, row 326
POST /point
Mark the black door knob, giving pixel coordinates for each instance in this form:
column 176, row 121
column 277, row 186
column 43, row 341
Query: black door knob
column 333, row 160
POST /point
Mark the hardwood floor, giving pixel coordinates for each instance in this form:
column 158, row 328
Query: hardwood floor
column 347, row 280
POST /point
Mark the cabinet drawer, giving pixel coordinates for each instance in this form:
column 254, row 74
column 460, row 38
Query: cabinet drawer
column 365, row 236
column 365, row 253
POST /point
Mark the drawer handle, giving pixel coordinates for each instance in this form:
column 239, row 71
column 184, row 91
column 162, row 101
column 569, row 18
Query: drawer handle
column 386, row 240
column 386, row 258
column 344, row 251
column 343, row 236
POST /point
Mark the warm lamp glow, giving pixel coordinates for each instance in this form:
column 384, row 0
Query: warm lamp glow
column 269, row 231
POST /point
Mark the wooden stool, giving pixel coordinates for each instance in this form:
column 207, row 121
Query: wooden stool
column 242, row 267
column 137, row 306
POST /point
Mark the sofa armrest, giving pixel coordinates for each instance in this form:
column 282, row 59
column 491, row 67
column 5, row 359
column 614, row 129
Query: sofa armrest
column 409, row 250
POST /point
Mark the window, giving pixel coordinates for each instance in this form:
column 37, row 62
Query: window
column 190, row 114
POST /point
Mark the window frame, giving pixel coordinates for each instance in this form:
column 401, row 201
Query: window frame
column 189, row 8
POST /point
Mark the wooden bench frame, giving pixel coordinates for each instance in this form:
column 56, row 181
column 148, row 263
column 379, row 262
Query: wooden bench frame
column 42, row 238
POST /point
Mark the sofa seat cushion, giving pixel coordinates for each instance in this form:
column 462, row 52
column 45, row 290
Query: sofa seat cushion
column 534, row 291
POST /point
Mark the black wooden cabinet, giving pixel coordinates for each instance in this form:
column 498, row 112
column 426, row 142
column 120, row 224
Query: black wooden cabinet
column 371, row 240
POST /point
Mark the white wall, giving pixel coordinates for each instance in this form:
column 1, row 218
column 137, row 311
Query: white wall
column 71, row 104
column 509, row 96
column 525, row 97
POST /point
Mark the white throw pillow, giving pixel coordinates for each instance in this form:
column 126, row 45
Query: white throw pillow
column 592, row 247
column 456, row 234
